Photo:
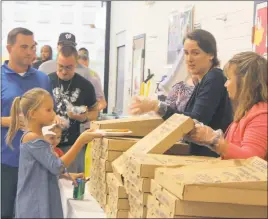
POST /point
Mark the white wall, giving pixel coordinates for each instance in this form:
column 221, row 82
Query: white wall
column 47, row 19
column 136, row 18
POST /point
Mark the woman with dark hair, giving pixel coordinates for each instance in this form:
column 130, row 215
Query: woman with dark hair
column 209, row 102
column 46, row 54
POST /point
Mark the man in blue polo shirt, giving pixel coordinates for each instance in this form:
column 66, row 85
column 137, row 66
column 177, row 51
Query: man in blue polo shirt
column 17, row 77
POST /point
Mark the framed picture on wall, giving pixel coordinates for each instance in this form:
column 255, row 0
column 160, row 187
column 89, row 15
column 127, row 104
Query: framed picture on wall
column 260, row 28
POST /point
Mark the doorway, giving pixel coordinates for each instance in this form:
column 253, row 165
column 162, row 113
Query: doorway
column 120, row 79
column 138, row 60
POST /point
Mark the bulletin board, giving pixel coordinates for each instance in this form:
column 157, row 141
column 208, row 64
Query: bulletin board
column 180, row 22
column 260, row 28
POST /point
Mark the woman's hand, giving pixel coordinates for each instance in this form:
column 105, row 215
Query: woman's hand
column 143, row 105
column 205, row 136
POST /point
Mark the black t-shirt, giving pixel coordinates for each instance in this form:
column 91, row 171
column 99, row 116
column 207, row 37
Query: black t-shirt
column 78, row 91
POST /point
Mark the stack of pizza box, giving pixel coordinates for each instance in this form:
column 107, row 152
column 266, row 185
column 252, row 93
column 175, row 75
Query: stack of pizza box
column 135, row 168
column 215, row 189
column 107, row 149
column 104, row 151
column 140, row 170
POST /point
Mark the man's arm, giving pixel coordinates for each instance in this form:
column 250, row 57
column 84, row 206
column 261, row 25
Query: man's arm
column 5, row 121
column 92, row 113
column 93, row 77
column 90, row 102
column 102, row 104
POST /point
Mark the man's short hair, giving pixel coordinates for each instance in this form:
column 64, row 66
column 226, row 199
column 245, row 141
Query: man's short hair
column 12, row 35
column 68, row 51
column 83, row 49
column 83, row 54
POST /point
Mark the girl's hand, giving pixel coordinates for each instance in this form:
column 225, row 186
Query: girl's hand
column 87, row 136
column 77, row 175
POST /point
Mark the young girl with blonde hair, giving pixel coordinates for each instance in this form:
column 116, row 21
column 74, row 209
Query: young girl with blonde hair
column 38, row 194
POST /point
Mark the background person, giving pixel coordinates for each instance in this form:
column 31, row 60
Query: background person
column 46, row 55
column 52, row 134
column 177, row 99
column 93, row 77
column 65, row 39
column 180, row 93
column 17, row 78
column 69, row 39
column 72, row 90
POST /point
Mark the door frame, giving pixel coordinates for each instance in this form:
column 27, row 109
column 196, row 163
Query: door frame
column 143, row 58
column 117, row 55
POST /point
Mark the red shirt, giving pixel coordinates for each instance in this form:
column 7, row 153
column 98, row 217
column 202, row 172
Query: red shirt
column 248, row 137
column 58, row 151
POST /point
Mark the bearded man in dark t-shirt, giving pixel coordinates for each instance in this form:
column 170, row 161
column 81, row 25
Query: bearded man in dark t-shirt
column 70, row 90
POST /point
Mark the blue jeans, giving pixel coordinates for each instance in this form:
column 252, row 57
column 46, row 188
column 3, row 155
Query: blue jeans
column 9, row 181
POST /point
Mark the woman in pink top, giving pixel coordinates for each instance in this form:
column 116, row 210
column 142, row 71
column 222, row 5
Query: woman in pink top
column 247, row 135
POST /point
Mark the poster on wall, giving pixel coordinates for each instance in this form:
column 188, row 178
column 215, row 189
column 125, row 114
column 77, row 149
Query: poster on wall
column 260, row 28
column 179, row 24
column 137, row 62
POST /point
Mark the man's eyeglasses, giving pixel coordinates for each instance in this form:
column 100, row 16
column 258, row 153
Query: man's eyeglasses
column 66, row 68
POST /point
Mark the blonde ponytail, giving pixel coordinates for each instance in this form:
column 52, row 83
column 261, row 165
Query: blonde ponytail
column 30, row 101
column 15, row 121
